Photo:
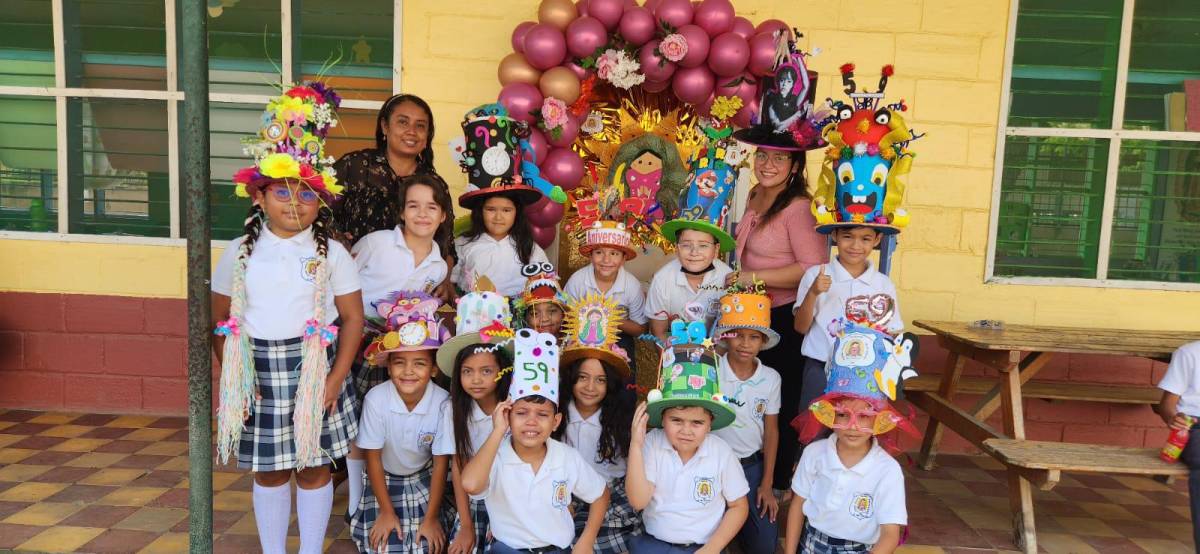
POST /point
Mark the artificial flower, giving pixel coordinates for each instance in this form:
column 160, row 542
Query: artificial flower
column 606, row 63
column 279, row 166
column 294, row 110
column 303, row 92
column 725, row 107
column 673, row 47
column 246, row 175
column 593, row 123
column 554, row 112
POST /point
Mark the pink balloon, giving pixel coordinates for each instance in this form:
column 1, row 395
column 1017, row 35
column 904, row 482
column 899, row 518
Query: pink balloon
column 545, row 46
column 544, row 213
column 582, row 7
column 655, row 86
column 537, row 147
column 637, row 25
column 705, row 107
column 675, row 13
column 714, row 16
column 650, row 63
column 630, row 4
column 693, row 84
column 743, row 117
column 518, row 36
column 728, row 55
column 585, row 35
column 563, row 167
column 651, row 5
column 544, row 236
column 762, row 54
column 578, row 71
column 607, row 11
column 770, row 26
column 567, row 135
column 520, row 99
column 743, row 27
column 698, row 42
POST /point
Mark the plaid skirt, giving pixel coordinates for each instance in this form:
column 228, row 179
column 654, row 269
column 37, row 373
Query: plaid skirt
column 366, row 376
column 410, row 497
column 267, row 442
column 816, row 542
column 621, row 521
column 479, row 517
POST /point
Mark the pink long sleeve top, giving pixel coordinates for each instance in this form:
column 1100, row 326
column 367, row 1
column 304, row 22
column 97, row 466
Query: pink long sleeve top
column 789, row 238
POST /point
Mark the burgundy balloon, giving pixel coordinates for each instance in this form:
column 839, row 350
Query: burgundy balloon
column 693, row 84
column 743, row 116
column 544, row 236
column 570, row 130
column 563, row 167
column 630, row 4
column 762, row 54
column 520, row 99
column 655, row 86
column 698, row 42
column 705, row 107
column 544, row 213
column 650, row 64
column 728, row 54
column 518, row 36
column 675, row 13
column 582, row 7
column 743, row 27
column 651, row 5
column 607, row 11
column 537, row 147
column 770, row 26
column 714, row 16
column 545, row 46
column 585, row 35
column 577, row 70
column 637, row 25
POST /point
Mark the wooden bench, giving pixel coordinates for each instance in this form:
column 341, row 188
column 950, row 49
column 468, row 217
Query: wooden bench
column 1048, row 390
column 1042, row 462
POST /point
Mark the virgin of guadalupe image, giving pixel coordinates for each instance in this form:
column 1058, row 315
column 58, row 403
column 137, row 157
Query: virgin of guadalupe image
column 592, row 330
column 785, row 102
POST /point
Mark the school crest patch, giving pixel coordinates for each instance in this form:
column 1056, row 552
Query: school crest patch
column 703, row 493
column 862, row 506
column 425, row 439
column 308, row 269
column 561, row 496
column 760, row 408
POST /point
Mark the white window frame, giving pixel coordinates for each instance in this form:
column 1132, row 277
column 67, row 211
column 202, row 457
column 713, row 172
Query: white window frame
column 1115, row 136
column 173, row 96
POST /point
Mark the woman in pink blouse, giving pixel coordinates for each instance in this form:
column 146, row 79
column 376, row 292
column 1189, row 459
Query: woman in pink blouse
column 776, row 243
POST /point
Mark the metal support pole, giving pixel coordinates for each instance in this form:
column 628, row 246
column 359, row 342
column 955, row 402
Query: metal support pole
column 193, row 73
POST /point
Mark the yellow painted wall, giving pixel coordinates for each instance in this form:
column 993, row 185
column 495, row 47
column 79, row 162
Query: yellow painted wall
column 949, row 63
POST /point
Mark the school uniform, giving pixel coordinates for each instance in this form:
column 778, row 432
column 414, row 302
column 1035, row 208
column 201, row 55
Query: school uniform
column 621, row 521
column 753, row 400
column 844, row 507
column 670, row 294
column 280, row 281
column 498, row 259
column 479, row 426
column 405, row 438
column 528, row 510
column 689, row 499
column 1183, row 378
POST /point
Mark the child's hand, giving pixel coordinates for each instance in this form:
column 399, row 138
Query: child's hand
column 822, row 282
column 767, row 504
column 638, row 430
column 385, row 524
column 500, row 417
column 464, row 541
column 431, row 531
column 1180, row 422
column 333, row 389
column 583, row 546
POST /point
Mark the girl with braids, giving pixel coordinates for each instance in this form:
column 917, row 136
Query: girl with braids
column 285, row 401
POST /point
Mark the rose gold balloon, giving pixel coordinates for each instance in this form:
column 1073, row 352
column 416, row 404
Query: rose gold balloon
column 514, row 69
column 558, row 13
column 560, row 83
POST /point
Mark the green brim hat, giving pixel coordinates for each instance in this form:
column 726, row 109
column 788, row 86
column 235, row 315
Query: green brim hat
column 671, row 229
column 688, row 377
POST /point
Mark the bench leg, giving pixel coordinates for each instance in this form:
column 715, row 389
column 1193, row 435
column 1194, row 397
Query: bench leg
column 1020, row 493
column 952, row 370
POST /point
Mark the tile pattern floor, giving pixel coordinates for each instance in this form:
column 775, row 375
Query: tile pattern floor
column 106, row 483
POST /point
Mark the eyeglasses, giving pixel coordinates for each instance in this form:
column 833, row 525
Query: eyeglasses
column 775, row 158
column 696, row 246
column 849, row 418
column 303, row 195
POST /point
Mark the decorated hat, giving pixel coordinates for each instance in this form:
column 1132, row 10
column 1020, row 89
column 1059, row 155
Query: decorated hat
column 411, row 322
column 867, row 163
column 747, row 308
column 483, row 316
column 705, row 201
column 491, row 154
column 785, row 102
column 290, row 146
column 607, row 233
column 591, row 330
column 688, row 376
column 541, row 286
column 535, row 366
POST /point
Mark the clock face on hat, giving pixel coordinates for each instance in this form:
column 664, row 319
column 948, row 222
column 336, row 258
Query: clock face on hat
column 495, row 160
column 413, row 333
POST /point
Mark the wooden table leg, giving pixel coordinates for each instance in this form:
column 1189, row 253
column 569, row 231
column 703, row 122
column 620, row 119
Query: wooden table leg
column 951, row 371
column 1020, row 492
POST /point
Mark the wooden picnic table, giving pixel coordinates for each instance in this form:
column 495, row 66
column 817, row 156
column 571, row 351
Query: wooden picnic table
column 1018, row 353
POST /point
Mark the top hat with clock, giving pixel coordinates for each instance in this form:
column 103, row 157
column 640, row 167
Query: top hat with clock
column 490, row 153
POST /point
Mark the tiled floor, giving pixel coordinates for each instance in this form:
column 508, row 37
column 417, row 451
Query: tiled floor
column 102, row 483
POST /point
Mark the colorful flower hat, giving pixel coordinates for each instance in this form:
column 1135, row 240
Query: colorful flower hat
column 535, row 366
column 591, row 330
column 785, row 102
column 705, row 202
column 290, row 147
column 491, row 153
column 608, row 233
column 688, row 376
column 483, row 317
column 747, row 308
column 412, row 324
column 867, row 163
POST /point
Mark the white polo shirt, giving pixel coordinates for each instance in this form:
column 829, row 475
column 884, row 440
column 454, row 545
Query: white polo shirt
column 689, row 499
column 670, row 293
column 280, row 282
column 528, row 510
column 626, row 290
column 584, row 436
column 831, row 304
column 479, row 426
column 406, row 437
column 1181, row 378
column 386, row 264
column 755, row 398
column 497, row 259
column 850, row 503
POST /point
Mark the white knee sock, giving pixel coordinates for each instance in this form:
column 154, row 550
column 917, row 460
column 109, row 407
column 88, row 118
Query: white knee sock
column 272, row 511
column 312, row 513
column 354, row 474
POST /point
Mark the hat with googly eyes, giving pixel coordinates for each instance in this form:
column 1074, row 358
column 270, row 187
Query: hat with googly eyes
column 747, row 311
